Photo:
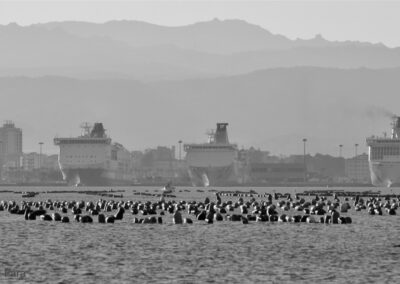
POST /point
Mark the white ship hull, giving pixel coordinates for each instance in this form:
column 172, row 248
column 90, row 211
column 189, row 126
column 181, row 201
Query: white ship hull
column 92, row 160
column 385, row 173
column 213, row 176
column 94, row 177
column 212, row 167
column 206, row 158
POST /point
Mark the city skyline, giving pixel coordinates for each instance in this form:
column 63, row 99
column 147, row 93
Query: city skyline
column 48, row 147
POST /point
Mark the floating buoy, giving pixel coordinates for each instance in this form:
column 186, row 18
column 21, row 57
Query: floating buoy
column 86, row 219
column 282, row 218
column 310, row 219
column 335, row 217
column 177, row 218
column 188, row 221
column 46, row 217
column 110, row 219
column 64, row 219
column 202, row 215
column 56, row 217
column 235, row 217
column 218, row 217
column 262, row 218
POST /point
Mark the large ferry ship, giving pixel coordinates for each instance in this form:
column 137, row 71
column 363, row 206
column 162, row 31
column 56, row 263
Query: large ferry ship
column 384, row 157
column 213, row 163
column 93, row 160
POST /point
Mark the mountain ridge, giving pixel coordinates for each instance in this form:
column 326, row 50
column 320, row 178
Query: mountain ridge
column 260, row 37
column 147, row 52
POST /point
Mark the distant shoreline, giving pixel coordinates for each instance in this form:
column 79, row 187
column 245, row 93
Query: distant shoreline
column 189, row 185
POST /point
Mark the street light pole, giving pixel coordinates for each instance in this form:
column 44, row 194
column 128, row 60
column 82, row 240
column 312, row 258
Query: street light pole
column 1, row 158
column 40, row 154
column 356, row 161
column 340, row 150
column 180, row 149
column 304, row 159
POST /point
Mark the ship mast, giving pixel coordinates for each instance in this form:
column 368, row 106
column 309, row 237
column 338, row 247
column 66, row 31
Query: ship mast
column 86, row 127
column 211, row 136
column 396, row 127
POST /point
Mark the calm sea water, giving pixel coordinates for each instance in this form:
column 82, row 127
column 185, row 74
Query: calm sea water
column 224, row 252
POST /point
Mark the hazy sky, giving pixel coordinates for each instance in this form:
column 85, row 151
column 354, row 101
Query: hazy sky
column 374, row 21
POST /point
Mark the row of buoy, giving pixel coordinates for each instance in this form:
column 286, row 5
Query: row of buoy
column 238, row 194
column 209, row 216
column 154, row 194
column 208, row 211
column 343, row 193
column 32, row 214
column 314, row 207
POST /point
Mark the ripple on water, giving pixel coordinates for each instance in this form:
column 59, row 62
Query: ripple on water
column 224, row 252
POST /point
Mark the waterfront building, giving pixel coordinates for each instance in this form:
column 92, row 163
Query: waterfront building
column 31, row 161
column 10, row 146
column 357, row 169
column 156, row 165
column 34, row 161
column 276, row 172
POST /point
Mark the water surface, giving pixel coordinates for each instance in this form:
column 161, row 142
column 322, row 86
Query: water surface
column 225, row 252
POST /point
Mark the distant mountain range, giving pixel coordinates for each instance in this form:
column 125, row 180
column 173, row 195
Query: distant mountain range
column 219, row 37
column 147, row 52
column 271, row 109
column 154, row 85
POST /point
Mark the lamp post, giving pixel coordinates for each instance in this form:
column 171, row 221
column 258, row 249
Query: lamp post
column 180, row 149
column 304, row 159
column 40, row 154
column 356, row 161
column 340, row 150
column 1, row 158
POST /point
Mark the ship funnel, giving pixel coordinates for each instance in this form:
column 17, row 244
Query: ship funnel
column 396, row 127
column 98, row 131
column 221, row 134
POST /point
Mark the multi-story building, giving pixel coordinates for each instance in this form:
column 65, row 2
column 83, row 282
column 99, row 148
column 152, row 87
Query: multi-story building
column 276, row 172
column 31, row 161
column 34, row 161
column 357, row 169
column 158, row 165
column 10, row 146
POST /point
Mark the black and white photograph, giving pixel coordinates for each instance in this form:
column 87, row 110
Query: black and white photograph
column 199, row 141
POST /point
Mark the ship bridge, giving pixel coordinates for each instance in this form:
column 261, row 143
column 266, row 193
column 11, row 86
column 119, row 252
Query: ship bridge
column 81, row 140
column 385, row 148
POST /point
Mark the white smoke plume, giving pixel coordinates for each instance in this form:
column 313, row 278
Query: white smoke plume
column 378, row 111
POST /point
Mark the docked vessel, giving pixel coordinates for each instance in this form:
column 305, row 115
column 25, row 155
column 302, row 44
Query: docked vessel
column 384, row 157
column 213, row 163
column 93, row 160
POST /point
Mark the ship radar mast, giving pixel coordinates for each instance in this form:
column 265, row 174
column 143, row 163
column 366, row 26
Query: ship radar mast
column 211, row 136
column 86, row 128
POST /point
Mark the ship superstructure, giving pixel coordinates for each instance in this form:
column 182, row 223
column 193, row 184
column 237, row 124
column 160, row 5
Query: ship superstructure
column 384, row 157
column 213, row 163
column 93, row 160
